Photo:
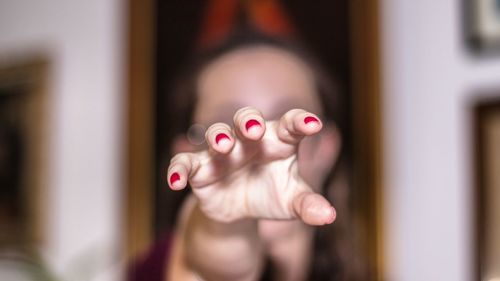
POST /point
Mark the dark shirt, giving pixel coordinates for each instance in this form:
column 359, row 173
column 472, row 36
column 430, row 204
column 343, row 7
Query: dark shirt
column 152, row 265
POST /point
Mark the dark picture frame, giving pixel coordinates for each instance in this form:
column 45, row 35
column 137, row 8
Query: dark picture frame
column 142, row 177
column 487, row 188
column 482, row 26
column 23, row 100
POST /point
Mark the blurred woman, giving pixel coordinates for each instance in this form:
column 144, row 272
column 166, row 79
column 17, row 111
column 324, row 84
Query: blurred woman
column 254, row 159
column 268, row 114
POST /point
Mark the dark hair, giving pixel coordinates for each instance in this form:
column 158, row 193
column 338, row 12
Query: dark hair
column 328, row 263
column 184, row 92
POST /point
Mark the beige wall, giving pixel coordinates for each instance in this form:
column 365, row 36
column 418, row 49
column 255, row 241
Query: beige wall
column 430, row 85
column 83, row 41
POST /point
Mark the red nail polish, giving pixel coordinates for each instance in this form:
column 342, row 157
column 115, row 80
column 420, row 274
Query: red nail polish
column 174, row 177
column 250, row 123
column 310, row 119
column 219, row 137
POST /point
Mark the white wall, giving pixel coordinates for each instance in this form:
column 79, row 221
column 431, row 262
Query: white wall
column 430, row 83
column 84, row 40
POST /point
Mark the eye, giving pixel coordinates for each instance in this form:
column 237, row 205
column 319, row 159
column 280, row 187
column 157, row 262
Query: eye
column 196, row 134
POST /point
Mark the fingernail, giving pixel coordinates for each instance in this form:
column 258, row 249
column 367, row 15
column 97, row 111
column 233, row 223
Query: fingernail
column 220, row 137
column 174, row 177
column 250, row 123
column 310, row 119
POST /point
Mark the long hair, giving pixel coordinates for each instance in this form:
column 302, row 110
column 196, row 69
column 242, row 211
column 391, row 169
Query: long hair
column 332, row 248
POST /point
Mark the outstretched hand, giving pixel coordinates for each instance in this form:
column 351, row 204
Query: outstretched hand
column 250, row 170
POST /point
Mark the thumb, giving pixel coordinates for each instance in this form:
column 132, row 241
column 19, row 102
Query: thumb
column 313, row 209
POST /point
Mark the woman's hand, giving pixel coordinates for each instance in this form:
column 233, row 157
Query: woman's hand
column 250, row 171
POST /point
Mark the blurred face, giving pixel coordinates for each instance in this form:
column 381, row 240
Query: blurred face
column 266, row 78
column 269, row 79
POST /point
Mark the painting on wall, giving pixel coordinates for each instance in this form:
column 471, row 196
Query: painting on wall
column 22, row 146
column 482, row 25
column 487, row 146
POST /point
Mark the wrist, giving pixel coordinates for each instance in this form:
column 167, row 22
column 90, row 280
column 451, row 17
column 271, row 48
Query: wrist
column 223, row 250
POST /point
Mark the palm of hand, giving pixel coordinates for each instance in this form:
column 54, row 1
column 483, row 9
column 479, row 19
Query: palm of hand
column 252, row 172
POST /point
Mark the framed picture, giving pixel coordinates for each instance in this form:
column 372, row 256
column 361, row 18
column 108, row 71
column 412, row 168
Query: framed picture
column 151, row 206
column 23, row 91
column 487, row 144
column 482, row 25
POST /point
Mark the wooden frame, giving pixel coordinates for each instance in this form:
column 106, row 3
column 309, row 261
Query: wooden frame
column 487, row 189
column 25, row 80
column 140, row 113
column 367, row 128
column 367, row 102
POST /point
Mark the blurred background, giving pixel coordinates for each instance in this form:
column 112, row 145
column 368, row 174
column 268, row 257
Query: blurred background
column 81, row 130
